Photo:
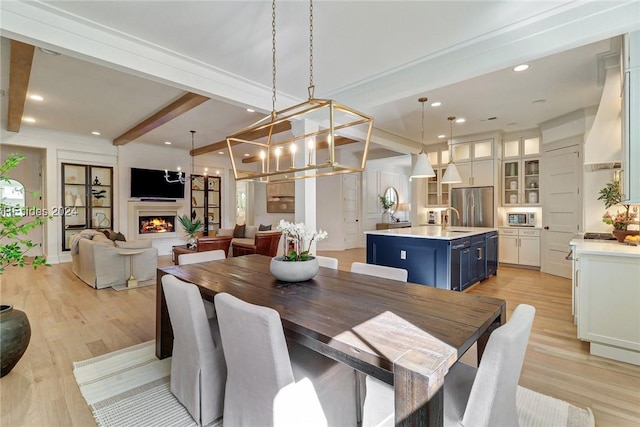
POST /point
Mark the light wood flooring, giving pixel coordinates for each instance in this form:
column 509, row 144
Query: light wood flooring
column 71, row 321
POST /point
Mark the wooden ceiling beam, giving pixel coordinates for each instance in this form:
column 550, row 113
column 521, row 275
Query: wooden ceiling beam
column 19, row 74
column 221, row 145
column 185, row 103
column 340, row 140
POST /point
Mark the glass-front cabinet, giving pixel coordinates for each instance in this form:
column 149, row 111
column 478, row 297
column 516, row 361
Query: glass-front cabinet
column 438, row 193
column 87, row 199
column 521, row 182
column 205, row 201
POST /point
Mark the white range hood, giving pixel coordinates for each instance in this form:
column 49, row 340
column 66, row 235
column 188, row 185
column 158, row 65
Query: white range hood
column 603, row 146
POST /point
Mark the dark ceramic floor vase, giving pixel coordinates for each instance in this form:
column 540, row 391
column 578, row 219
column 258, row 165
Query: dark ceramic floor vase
column 15, row 333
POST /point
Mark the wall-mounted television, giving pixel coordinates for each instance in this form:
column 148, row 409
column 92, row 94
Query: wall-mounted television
column 151, row 184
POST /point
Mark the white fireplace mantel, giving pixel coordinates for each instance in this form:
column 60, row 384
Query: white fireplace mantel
column 139, row 208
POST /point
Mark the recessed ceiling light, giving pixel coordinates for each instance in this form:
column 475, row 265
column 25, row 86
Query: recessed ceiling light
column 36, row 97
column 520, row 67
column 539, row 101
column 220, row 152
column 217, row 172
column 95, row 132
column 441, row 136
column 167, row 143
column 206, row 169
column 251, row 110
column 246, row 154
column 461, row 120
column 436, row 104
column 29, row 119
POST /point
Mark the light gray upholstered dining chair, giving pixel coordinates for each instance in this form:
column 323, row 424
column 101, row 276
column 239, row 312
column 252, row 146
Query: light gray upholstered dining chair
column 328, row 262
column 263, row 375
column 198, row 370
column 391, row 273
column 473, row 397
column 205, row 256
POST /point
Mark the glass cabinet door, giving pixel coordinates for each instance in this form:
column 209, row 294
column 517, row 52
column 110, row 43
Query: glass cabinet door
column 87, row 199
column 205, row 202
column 511, row 174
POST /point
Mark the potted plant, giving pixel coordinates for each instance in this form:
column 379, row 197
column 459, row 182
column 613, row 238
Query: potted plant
column 611, row 196
column 386, row 203
column 298, row 264
column 15, row 223
column 191, row 228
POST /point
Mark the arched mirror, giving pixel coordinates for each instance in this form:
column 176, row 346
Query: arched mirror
column 391, row 194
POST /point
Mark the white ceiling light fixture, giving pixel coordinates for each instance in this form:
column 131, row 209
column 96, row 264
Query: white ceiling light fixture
column 436, row 104
column 422, row 168
column 309, row 128
column 36, row 97
column 451, row 174
column 181, row 178
column 29, row 119
column 521, row 67
column 95, row 132
column 460, row 120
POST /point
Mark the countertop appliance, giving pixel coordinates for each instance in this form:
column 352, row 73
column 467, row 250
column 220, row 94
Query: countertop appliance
column 475, row 205
column 522, row 219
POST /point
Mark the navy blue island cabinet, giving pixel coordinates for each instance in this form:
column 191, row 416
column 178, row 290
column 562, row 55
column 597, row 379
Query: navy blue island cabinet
column 451, row 260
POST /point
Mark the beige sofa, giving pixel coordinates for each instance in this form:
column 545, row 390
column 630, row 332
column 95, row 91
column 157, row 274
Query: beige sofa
column 249, row 234
column 96, row 260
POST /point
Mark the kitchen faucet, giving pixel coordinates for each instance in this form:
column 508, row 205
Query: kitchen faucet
column 445, row 217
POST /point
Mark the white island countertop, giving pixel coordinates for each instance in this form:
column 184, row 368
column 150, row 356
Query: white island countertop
column 605, row 247
column 434, row 232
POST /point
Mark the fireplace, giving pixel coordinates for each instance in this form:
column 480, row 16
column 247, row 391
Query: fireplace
column 138, row 212
column 156, row 224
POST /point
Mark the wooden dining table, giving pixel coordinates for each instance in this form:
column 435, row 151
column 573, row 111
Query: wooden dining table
column 404, row 334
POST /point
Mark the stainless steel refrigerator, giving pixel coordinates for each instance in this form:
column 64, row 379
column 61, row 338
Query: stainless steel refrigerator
column 475, row 205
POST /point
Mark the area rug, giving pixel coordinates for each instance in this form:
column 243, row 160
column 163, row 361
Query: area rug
column 130, row 387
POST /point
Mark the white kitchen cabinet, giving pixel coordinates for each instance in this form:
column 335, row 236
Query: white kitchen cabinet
column 437, row 193
column 520, row 246
column 521, row 147
column 475, row 163
column 630, row 174
column 609, row 304
column 521, row 182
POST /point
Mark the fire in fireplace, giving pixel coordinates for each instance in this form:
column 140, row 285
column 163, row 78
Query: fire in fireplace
column 156, row 224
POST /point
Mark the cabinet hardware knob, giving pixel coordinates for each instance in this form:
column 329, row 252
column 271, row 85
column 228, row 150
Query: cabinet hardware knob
column 546, row 227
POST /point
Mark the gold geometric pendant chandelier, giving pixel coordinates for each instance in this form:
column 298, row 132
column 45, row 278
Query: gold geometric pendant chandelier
column 300, row 142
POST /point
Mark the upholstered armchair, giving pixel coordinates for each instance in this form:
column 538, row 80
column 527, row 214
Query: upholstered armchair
column 215, row 242
column 264, row 243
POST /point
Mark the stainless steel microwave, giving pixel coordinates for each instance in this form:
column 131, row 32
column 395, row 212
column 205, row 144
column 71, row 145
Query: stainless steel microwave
column 527, row 219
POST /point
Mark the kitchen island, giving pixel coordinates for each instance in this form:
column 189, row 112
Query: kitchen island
column 607, row 298
column 453, row 258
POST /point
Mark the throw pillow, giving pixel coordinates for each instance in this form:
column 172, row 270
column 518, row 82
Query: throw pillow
column 119, row 236
column 239, row 231
column 225, row 232
column 135, row 244
column 264, row 227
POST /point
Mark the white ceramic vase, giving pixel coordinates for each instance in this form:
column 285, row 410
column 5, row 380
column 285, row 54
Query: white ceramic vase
column 293, row 271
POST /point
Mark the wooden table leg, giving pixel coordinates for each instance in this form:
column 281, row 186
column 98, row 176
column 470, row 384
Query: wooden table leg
column 164, row 331
column 419, row 393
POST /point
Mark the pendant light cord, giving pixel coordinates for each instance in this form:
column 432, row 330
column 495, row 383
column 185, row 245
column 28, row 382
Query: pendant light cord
column 451, row 119
column 311, row 86
column 273, row 52
column 193, row 132
column 422, row 101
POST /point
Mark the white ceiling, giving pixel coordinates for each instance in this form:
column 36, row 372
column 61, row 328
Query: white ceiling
column 124, row 60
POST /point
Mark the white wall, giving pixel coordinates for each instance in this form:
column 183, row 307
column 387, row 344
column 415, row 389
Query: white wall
column 61, row 147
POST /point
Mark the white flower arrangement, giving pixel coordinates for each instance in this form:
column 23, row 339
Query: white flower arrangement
column 299, row 234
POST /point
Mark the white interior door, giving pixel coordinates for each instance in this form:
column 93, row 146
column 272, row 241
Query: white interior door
column 561, row 177
column 351, row 224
